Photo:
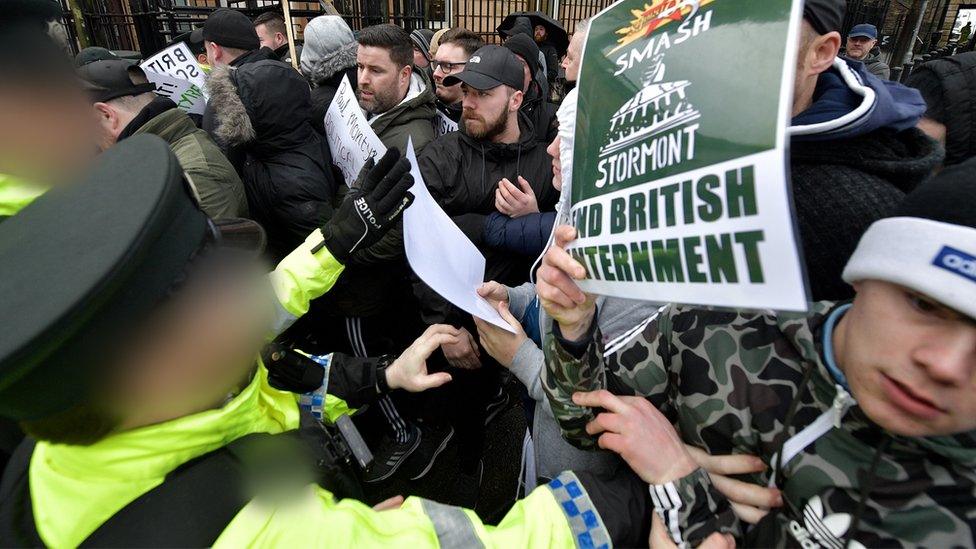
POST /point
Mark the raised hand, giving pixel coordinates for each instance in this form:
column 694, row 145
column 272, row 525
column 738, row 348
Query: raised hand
column 376, row 200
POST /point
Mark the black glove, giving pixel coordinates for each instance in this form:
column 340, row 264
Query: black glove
column 376, row 200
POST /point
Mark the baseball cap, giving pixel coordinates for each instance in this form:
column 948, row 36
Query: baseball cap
column 113, row 78
column 95, row 53
column 231, row 29
column 825, row 15
column 864, row 30
column 93, row 259
column 490, row 67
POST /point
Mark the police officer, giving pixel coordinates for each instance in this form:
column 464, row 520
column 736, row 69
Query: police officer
column 131, row 326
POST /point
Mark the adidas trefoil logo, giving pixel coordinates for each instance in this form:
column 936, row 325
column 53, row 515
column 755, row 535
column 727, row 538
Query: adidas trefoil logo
column 820, row 531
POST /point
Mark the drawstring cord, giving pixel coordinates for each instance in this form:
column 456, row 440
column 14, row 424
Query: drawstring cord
column 866, row 488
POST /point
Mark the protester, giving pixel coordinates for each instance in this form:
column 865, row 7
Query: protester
column 231, row 41
column 456, row 47
column 262, row 111
column 124, row 104
column 197, row 439
column 328, row 56
column 535, row 105
column 372, row 311
column 523, row 25
column 94, row 53
column 398, row 100
column 463, row 171
column 862, row 46
column 421, row 47
column 948, row 86
column 435, row 40
column 883, row 386
column 853, row 154
column 574, row 54
column 198, row 48
column 273, row 34
column 466, row 170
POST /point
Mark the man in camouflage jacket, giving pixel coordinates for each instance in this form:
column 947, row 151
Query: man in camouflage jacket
column 865, row 412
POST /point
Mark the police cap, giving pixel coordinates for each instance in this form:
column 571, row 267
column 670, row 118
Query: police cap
column 87, row 260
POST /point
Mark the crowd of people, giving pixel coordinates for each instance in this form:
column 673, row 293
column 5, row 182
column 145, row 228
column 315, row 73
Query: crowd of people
column 160, row 387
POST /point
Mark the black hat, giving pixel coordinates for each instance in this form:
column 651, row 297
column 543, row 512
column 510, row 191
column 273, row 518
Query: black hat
column 231, row 29
column 421, row 40
column 825, row 15
column 490, row 67
column 83, row 263
column 522, row 45
column 107, row 80
column 95, row 53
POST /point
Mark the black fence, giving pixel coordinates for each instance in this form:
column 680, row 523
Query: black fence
column 146, row 26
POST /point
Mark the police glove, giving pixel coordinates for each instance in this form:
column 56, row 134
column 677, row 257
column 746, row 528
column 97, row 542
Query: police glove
column 377, row 198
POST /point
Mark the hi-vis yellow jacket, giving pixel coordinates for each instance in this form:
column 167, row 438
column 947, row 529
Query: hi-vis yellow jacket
column 16, row 194
column 75, row 489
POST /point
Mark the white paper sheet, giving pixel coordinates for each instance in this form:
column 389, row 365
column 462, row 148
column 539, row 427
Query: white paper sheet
column 441, row 255
column 176, row 61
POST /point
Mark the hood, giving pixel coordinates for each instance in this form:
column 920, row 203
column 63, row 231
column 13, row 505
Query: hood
column 321, row 69
column 804, row 332
column 522, row 25
column 849, row 101
column 171, row 125
column 265, row 106
column 417, row 104
column 325, row 38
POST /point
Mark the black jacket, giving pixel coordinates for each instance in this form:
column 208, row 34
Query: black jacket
column 949, row 88
column 264, row 109
column 209, row 122
column 462, row 174
column 842, row 186
column 541, row 112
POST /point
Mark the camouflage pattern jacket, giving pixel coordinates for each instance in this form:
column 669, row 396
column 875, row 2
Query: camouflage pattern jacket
column 745, row 383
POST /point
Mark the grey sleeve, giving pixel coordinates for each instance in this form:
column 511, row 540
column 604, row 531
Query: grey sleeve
column 527, row 367
column 519, row 299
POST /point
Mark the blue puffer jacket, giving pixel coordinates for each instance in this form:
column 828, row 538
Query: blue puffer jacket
column 526, row 235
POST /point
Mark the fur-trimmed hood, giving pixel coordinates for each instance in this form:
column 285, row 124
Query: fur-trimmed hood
column 264, row 106
column 321, row 69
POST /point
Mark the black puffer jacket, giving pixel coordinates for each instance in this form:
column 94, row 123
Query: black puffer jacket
column 264, row 109
column 209, row 122
column 842, row 186
column 462, row 174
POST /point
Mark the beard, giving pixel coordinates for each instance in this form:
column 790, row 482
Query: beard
column 479, row 127
column 380, row 102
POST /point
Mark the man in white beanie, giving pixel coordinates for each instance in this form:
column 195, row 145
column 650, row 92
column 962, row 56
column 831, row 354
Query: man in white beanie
column 863, row 413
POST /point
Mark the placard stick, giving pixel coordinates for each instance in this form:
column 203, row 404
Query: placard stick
column 286, row 8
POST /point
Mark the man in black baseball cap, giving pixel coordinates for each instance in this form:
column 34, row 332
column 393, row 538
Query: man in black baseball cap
column 124, row 103
column 825, row 15
column 493, row 162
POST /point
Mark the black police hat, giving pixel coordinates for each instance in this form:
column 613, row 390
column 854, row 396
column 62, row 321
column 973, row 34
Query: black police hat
column 491, row 66
column 86, row 261
column 112, row 78
column 231, row 29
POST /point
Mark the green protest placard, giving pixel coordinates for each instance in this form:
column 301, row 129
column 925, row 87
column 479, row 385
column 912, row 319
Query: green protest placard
column 680, row 188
